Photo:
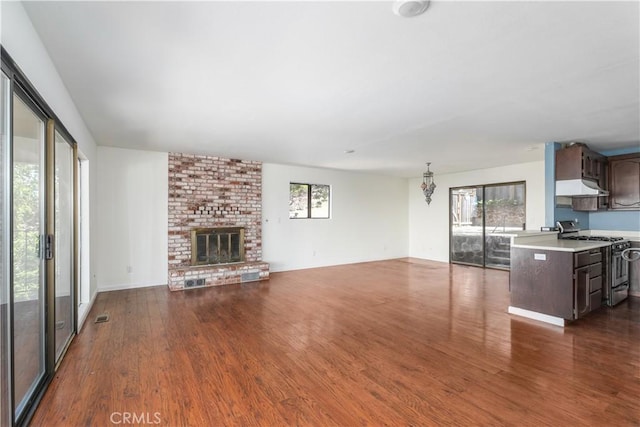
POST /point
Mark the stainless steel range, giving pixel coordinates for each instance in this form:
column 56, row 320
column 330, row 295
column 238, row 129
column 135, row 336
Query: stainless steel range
column 616, row 288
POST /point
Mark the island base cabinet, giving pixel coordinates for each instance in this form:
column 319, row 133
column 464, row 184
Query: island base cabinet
column 543, row 281
column 562, row 284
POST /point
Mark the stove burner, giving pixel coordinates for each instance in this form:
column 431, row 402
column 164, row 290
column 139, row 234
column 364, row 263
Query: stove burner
column 605, row 239
column 597, row 238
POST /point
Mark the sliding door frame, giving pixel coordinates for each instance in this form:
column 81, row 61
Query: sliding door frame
column 20, row 85
column 40, row 385
column 6, row 352
column 484, row 217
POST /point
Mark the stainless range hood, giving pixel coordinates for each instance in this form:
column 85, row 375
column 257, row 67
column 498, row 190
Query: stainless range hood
column 579, row 187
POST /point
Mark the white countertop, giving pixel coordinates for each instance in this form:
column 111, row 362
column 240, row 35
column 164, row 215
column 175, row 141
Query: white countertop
column 562, row 245
column 549, row 241
column 526, row 233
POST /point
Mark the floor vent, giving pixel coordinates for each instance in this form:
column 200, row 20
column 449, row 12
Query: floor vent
column 251, row 276
column 102, row 318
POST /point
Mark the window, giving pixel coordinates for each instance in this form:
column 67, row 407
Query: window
column 309, row 200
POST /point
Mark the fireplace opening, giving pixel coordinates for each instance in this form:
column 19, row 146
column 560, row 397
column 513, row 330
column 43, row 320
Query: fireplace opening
column 217, row 245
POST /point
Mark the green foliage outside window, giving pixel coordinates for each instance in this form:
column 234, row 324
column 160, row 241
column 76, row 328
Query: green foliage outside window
column 26, row 231
column 308, row 200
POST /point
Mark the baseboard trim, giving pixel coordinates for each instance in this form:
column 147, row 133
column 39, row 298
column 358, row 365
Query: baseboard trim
column 557, row 321
column 128, row 286
column 85, row 313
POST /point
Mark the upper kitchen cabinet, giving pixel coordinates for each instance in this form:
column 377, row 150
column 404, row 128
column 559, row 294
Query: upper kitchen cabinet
column 581, row 174
column 577, row 161
column 624, row 182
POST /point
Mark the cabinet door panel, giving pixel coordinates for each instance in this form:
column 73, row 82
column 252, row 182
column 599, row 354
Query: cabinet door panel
column 595, row 284
column 581, row 288
column 625, row 184
column 542, row 281
column 569, row 163
column 595, row 300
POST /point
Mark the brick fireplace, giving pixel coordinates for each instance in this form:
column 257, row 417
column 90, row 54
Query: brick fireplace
column 209, row 197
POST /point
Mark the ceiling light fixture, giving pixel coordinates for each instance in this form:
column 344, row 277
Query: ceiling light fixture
column 410, row 8
column 428, row 185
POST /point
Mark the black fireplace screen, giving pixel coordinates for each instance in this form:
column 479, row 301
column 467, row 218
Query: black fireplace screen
column 217, row 245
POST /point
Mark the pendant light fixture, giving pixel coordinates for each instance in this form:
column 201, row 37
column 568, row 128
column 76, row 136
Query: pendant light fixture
column 428, row 185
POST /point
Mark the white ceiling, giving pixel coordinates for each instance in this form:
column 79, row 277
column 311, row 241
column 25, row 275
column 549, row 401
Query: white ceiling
column 467, row 85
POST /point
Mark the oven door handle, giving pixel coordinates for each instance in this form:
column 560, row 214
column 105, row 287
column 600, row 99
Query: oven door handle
column 621, row 288
column 631, row 254
column 587, row 302
column 576, row 286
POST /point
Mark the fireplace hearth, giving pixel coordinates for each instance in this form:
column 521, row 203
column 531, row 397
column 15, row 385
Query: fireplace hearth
column 221, row 245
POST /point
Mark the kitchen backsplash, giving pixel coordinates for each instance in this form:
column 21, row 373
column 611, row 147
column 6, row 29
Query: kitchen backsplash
column 568, row 214
column 605, row 220
column 620, row 220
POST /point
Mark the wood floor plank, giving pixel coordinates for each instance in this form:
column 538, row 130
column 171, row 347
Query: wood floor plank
column 398, row 342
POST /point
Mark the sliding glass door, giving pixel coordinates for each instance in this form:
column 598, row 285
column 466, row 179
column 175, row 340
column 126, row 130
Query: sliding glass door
column 481, row 218
column 466, row 226
column 504, row 212
column 29, row 240
column 64, row 243
column 6, row 409
column 38, row 160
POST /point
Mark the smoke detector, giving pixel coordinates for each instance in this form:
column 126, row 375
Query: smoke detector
column 409, row 8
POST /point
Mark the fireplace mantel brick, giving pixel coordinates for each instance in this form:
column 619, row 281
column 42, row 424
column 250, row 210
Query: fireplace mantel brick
column 212, row 192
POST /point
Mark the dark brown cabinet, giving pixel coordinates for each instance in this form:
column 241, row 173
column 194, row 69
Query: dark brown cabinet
column 589, row 203
column 587, row 282
column 562, row 284
column 624, row 188
column 593, row 166
column 542, row 281
column 579, row 162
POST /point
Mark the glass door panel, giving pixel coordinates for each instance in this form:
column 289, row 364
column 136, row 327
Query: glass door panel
column 63, row 254
column 466, row 226
column 504, row 211
column 5, row 381
column 28, row 289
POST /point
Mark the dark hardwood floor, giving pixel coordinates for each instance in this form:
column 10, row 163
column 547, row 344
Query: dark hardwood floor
column 400, row 342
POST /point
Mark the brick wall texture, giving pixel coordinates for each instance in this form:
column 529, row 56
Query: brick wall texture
column 207, row 192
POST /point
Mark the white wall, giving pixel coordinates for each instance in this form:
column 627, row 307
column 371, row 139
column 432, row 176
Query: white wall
column 369, row 219
column 429, row 224
column 132, row 218
column 22, row 42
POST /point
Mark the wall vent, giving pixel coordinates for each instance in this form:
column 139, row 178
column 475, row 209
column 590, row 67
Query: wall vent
column 193, row 283
column 250, row 276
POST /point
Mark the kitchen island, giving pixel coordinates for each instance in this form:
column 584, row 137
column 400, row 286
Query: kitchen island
column 555, row 281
